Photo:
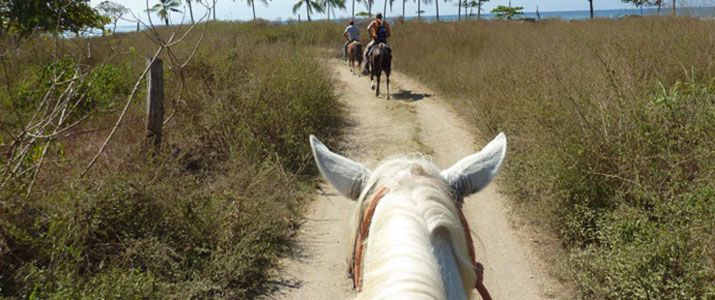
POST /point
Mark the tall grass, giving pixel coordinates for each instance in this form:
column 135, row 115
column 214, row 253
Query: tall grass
column 612, row 138
column 201, row 219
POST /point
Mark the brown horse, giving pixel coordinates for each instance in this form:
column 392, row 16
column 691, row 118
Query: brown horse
column 355, row 56
column 380, row 60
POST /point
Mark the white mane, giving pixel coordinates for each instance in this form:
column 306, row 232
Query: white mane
column 416, row 246
column 402, row 255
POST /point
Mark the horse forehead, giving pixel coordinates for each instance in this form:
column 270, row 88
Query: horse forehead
column 405, row 172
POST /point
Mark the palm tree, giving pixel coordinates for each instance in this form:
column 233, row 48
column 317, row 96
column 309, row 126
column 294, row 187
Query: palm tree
column 191, row 11
column 252, row 3
column 426, row 2
column 214, row 8
column 368, row 4
column 590, row 4
column 384, row 12
column 459, row 11
column 310, row 6
column 419, row 10
column 331, row 4
column 479, row 7
column 403, row 9
column 164, row 7
column 436, row 3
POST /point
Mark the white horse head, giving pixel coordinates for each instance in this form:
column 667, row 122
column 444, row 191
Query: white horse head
column 417, row 246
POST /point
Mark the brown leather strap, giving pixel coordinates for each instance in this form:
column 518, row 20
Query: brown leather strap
column 362, row 236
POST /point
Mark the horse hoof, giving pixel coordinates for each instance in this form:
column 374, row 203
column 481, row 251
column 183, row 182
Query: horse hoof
column 372, row 87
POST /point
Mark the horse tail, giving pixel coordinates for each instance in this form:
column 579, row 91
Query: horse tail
column 358, row 52
column 386, row 59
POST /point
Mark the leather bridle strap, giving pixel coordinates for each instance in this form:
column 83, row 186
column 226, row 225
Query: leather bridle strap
column 362, row 236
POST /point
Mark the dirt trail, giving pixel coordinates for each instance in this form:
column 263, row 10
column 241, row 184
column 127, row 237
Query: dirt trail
column 414, row 120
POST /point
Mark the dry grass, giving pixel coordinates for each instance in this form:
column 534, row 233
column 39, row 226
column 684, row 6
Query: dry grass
column 611, row 138
column 202, row 219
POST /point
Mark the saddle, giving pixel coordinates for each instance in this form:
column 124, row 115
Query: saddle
column 384, row 45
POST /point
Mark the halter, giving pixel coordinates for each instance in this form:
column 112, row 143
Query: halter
column 364, row 231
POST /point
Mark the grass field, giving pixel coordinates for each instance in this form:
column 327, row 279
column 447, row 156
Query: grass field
column 203, row 218
column 611, row 127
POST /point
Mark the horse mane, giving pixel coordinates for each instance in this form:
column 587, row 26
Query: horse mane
column 398, row 260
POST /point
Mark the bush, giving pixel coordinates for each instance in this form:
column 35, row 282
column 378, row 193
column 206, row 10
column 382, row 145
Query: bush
column 610, row 126
column 201, row 219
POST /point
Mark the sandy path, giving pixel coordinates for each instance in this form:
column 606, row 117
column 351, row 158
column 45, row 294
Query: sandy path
column 415, row 120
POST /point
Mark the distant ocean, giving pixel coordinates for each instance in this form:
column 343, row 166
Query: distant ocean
column 703, row 12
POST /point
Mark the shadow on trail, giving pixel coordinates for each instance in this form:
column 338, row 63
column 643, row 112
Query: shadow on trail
column 409, row 96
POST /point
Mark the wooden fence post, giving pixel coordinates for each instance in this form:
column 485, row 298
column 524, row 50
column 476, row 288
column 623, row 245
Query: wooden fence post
column 154, row 103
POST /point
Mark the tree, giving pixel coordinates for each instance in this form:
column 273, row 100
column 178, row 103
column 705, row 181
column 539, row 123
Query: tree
column 637, row 3
column 507, row 12
column 403, row 9
column 673, row 8
column 163, row 8
column 252, row 3
column 331, row 4
column 436, row 3
column 112, row 10
column 479, row 7
column 191, row 11
column 428, row 2
column 590, row 4
column 310, row 6
column 368, row 5
column 459, row 11
column 25, row 17
column 419, row 10
column 384, row 11
column 658, row 3
column 471, row 5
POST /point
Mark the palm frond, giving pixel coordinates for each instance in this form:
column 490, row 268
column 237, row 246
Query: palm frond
column 316, row 7
column 297, row 6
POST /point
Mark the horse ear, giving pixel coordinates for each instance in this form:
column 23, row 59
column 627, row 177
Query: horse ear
column 474, row 172
column 347, row 176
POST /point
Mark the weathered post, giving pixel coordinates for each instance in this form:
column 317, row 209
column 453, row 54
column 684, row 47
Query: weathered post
column 137, row 26
column 154, row 103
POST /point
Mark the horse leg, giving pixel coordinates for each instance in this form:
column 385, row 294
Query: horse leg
column 387, row 84
column 351, row 61
column 377, row 90
column 372, row 76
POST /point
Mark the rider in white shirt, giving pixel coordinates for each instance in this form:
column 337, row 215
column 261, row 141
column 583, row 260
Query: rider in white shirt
column 351, row 34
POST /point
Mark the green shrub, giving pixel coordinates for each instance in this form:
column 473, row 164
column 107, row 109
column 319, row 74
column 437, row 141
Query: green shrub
column 201, row 219
column 610, row 141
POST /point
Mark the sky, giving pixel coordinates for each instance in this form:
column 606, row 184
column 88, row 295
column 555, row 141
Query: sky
column 283, row 9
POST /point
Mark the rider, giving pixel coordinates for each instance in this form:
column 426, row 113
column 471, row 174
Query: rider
column 351, row 34
column 380, row 31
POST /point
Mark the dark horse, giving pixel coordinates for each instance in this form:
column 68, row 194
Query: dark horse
column 355, row 55
column 380, row 60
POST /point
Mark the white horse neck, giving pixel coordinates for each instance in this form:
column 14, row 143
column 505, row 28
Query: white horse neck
column 409, row 252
